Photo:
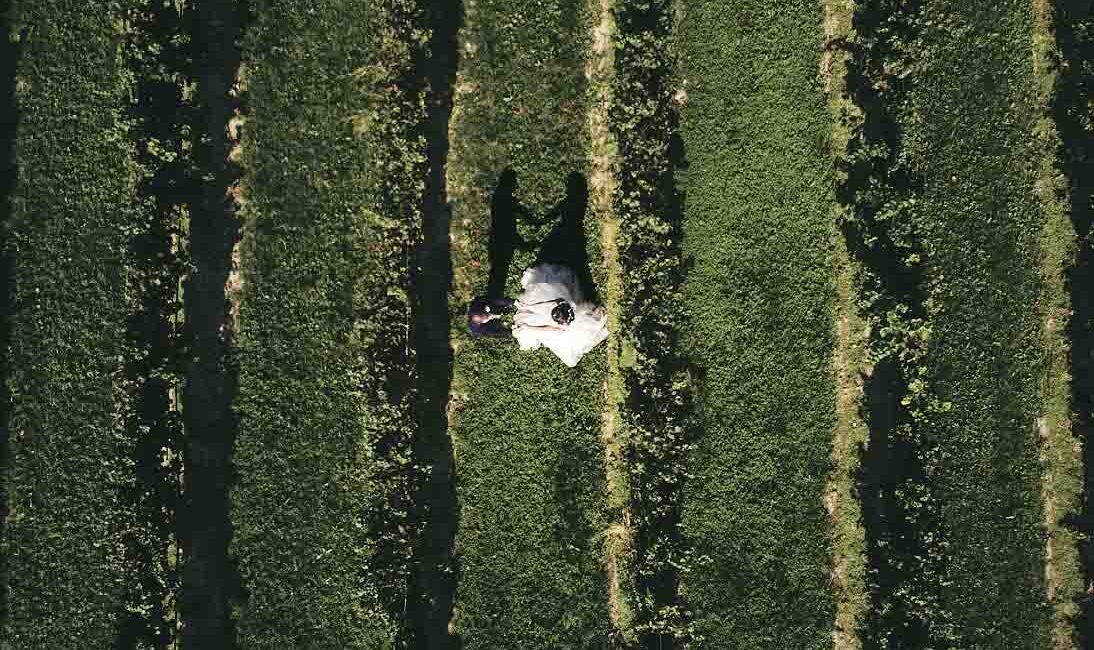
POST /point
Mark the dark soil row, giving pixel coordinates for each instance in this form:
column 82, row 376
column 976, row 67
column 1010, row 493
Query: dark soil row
column 1074, row 117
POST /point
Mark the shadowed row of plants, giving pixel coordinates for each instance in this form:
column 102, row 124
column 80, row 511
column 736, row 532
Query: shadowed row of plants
column 877, row 192
column 1072, row 111
column 940, row 213
column 9, row 58
column 655, row 424
column 335, row 160
column 83, row 558
column 160, row 121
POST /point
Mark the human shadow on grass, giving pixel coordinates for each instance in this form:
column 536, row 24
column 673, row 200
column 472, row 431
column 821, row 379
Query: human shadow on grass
column 505, row 212
column 10, row 51
column 566, row 244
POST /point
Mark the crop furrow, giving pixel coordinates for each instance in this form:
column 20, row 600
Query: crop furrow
column 157, row 58
column 210, row 582
column 1073, row 25
column 654, row 426
column 433, row 585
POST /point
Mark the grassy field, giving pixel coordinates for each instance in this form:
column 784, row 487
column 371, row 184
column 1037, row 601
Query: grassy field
column 526, row 429
column 84, row 563
column 759, row 293
column 332, row 200
column 845, row 248
column 981, row 227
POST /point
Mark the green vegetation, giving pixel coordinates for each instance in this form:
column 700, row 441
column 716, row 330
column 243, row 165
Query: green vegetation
column 948, row 227
column 1062, row 469
column 530, row 479
column 757, row 228
column 657, row 399
column 850, row 438
column 844, row 405
column 333, row 193
column 85, row 545
column 981, row 229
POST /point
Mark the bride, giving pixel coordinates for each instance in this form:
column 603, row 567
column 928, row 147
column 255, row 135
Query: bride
column 553, row 313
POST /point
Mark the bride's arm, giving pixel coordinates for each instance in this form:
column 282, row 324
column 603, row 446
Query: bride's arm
column 543, row 327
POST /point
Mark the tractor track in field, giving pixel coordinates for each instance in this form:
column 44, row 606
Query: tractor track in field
column 211, row 293
column 848, row 363
column 1061, row 453
column 1071, row 29
column 599, row 71
column 433, row 588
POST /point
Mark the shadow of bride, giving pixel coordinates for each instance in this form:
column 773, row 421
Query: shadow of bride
column 566, row 244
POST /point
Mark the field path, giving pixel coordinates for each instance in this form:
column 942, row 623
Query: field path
column 849, row 362
column 529, row 463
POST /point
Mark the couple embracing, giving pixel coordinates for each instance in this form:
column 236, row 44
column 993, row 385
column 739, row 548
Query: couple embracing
column 556, row 308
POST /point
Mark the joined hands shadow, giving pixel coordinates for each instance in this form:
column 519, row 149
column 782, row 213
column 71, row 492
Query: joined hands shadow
column 565, row 245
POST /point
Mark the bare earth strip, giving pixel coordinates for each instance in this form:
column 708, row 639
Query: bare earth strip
column 1061, row 453
column 849, row 363
column 599, row 70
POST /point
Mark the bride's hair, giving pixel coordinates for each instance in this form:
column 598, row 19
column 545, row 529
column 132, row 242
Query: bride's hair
column 563, row 313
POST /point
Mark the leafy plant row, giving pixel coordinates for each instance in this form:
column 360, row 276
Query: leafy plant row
column 656, row 423
column 901, row 513
column 332, row 201
column 157, row 57
column 757, row 237
column 526, row 429
column 941, row 214
column 91, row 478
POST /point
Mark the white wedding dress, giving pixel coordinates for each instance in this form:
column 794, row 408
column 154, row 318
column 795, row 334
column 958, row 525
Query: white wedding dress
column 542, row 285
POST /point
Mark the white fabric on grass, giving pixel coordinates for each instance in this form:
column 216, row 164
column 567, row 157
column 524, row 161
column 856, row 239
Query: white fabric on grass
column 543, row 284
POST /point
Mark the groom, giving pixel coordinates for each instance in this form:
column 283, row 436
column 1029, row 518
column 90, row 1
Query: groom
column 484, row 316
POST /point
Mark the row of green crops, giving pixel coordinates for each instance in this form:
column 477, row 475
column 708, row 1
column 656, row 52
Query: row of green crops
column 9, row 55
column 90, row 480
column 334, row 174
column 946, row 225
column 657, row 398
column 757, row 234
column 526, row 429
